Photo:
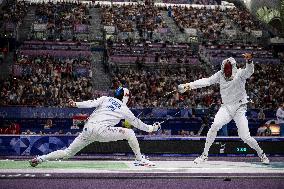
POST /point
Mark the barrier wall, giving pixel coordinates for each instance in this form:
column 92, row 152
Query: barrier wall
column 178, row 120
column 36, row 125
column 37, row 145
column 55, row 112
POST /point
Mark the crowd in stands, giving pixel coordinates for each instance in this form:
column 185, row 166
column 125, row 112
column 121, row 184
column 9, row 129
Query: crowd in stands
column 130, row 18
column 209, row 22
column 148, row 87
column 265, row 86
column 216, row 53
column 12, row 128
column 62, row 18
column 47, row 81
column 43, row 80
column 242, row 18
column 212, row 24
column 14, row 11
column 11, row 15
column 198, row 2
column 141, row 53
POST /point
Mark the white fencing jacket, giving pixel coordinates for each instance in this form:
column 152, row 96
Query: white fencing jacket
column 232, row 91
column 109, row 111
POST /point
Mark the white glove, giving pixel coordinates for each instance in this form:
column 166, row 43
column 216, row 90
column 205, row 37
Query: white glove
column 156, row 126
column 183, row 87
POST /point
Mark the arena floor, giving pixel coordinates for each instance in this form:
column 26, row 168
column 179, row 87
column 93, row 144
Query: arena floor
column 122, row 174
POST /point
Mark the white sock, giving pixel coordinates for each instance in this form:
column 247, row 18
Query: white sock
column 254, row 145
column 59, row 154
column 134, row 145
column 211, row 135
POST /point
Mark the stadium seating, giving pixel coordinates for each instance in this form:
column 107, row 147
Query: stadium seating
column 53, row 65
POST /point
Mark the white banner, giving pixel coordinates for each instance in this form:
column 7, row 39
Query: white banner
column 277, row 40
column 230, row 32
column 191, row 31
column 256, row 33
column 222, row 7
column 40, row 27
column 55, row 1
column 109, row 29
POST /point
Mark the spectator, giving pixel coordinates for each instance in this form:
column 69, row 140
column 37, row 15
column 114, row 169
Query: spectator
column 261, row 116
column 212, row 24
column 265, row 129
column 280, row 118
column 15, row 129
column 261, row 130
column 11, row 15
column 28, row 132
column 61, row 20
column 145, row 19
column 48, row 124
column 148, row 88
column 44, row 81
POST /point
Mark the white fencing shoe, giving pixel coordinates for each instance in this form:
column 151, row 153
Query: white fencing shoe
column 264, row 159
column 144, row 162
column 201, row 159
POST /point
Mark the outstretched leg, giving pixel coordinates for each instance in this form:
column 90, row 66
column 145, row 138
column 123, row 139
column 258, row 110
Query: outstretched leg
column 221, row 118
column 243, row 130
column 79, row 143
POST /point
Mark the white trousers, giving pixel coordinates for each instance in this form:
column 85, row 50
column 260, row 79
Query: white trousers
column 225, row 114
column 95, row 132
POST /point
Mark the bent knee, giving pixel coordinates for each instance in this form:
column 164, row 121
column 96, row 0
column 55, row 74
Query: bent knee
column 129, row 133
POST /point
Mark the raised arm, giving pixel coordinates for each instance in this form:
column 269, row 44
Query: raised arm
column 249, row 70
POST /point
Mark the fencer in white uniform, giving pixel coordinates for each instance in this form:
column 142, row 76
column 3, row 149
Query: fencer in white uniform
column 100, row 127
column 234, row 99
